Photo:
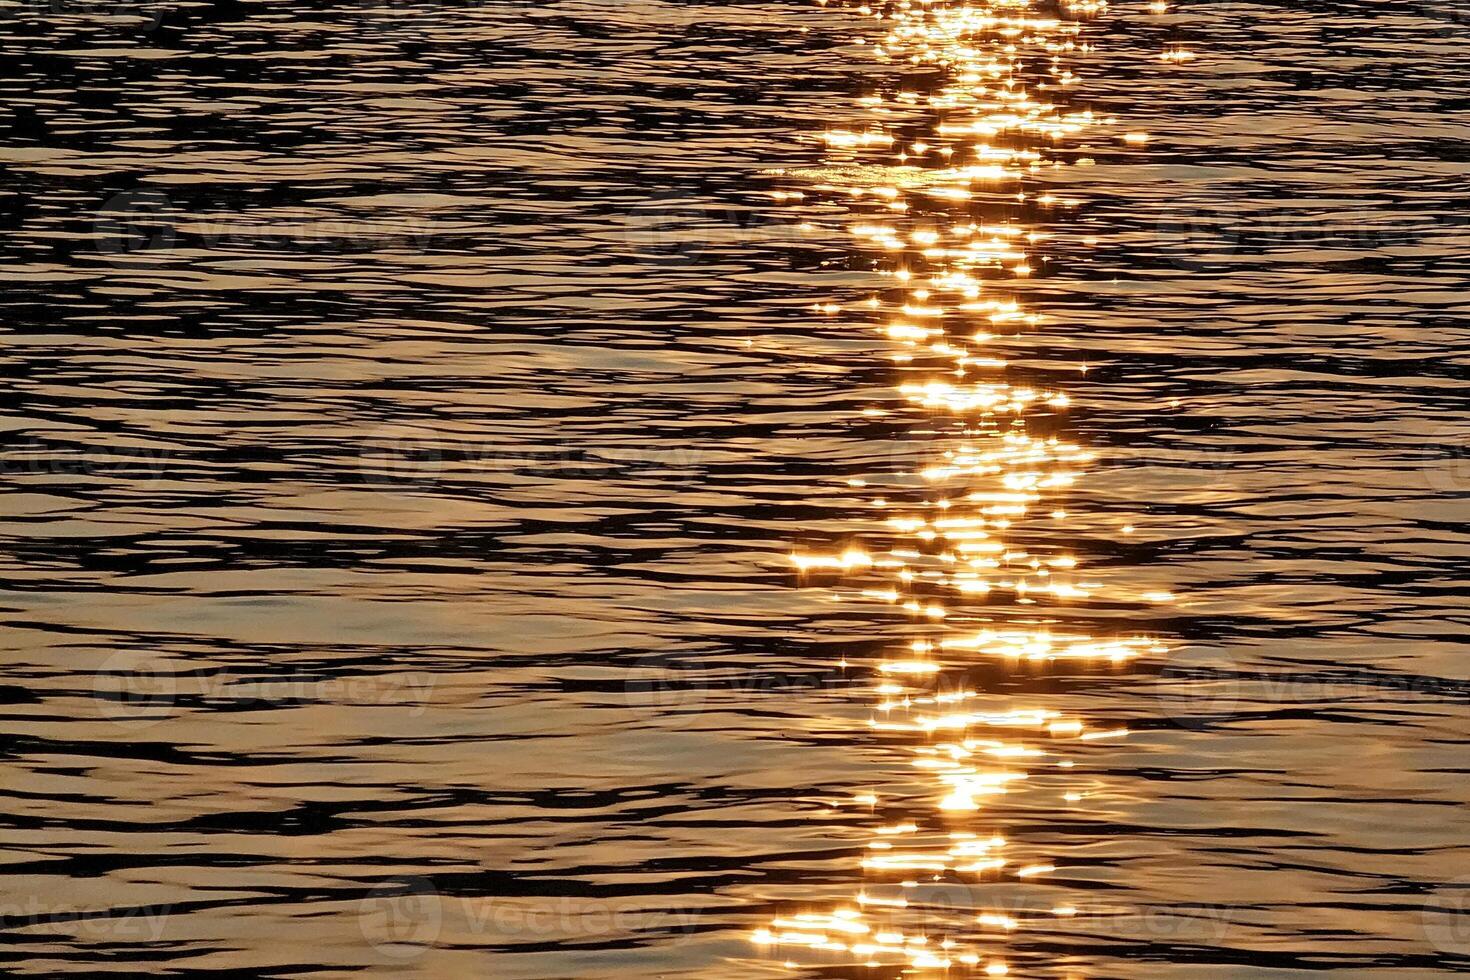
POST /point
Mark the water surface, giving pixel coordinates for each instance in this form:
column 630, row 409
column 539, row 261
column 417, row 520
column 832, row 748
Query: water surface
column 456, row 456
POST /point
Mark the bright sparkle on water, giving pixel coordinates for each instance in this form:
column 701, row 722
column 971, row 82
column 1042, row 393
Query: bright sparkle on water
column 925, row 211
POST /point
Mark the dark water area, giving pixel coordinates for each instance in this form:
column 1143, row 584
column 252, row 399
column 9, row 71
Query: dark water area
column 625, row 488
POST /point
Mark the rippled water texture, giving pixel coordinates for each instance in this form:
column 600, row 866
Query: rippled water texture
column 619, row 488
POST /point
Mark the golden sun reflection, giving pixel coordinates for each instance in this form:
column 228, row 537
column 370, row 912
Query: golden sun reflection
column 933, row 212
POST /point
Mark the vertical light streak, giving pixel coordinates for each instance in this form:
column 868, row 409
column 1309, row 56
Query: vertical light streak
column 933, row 211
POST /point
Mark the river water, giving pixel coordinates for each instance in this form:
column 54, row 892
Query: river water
column 620, row 488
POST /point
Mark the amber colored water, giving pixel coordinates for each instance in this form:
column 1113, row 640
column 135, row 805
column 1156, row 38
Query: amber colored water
column 654, row 489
